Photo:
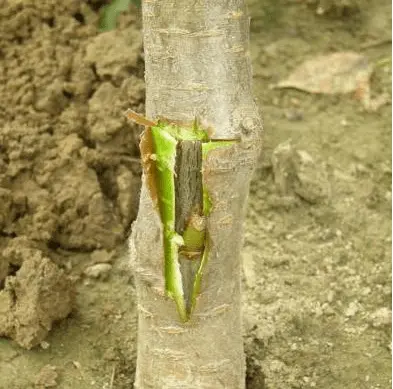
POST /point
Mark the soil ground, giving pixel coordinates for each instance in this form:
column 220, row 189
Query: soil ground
column 317, row 272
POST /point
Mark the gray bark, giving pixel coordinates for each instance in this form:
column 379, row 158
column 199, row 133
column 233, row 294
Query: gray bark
column 198, row 64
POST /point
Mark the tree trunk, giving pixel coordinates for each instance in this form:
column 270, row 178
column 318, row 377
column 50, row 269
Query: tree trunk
column 197, row 65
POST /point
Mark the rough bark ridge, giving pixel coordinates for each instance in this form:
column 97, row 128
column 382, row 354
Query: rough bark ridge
column 197, row 64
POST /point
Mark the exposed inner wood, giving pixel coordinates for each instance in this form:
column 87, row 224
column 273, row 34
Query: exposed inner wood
column 188, row 182
column 188, row 200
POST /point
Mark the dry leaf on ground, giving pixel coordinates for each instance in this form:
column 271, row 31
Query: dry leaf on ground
column 342, row 72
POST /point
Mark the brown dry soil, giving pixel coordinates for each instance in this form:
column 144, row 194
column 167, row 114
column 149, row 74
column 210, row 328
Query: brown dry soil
column 317, row 284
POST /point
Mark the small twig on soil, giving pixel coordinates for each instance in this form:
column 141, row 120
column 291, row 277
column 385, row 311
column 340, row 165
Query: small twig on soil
column 132, row 159
column 380, row 42
column 112, row 377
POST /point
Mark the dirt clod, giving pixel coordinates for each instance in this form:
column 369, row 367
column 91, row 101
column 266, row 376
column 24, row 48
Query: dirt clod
column 382, row 317
column 69, row 170
column 66, row 149
column 101, row 256
column 100, row 270
column 114, row 52
column 46, row 378
column 38, row 295
column 296, row 172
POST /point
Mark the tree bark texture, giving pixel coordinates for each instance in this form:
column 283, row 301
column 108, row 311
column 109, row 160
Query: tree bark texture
column 198, row 65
